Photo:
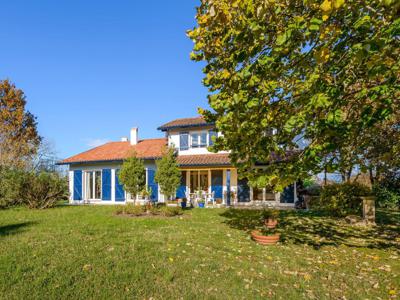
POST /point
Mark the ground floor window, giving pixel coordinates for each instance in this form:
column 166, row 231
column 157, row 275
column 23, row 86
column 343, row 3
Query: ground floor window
column 93, row 184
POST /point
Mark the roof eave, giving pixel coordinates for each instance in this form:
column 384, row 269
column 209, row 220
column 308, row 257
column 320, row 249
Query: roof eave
column 102, row 161
column 166, row 128
column 206, row 165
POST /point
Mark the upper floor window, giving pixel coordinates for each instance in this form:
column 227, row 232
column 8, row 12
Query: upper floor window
column 197, row 139
column 184, row 141
column 211, row 133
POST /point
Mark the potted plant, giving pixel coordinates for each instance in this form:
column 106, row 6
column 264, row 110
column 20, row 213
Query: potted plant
column 265, row 238
column 201, row 203
column 270, row 218
column 183, row 202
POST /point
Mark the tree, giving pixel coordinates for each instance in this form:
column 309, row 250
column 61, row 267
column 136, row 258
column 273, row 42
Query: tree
column 168, row 175
column 19, row 138
column 325, row 71
column 133, row 175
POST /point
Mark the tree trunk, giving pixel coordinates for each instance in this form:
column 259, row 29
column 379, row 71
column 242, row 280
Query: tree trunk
column 371, row 175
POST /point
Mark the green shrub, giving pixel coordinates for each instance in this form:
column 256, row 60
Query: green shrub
column 309, row 181
column 154, row 210
column 10, row 187
column 385, row 197
column 43, row 190
column 341, row 199
column 131, row 209
column 36, row 190
column 171, row 211
column 269, row 214
column 314, row 190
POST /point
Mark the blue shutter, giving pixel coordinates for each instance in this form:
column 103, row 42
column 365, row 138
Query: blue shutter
column 228, row 187
column 211, row 133
column 243, row 190
column 119, row 189
column 181, row 192
column 216, row 183
column 287, row 196
column 184, row 141
column 152, row 184
column 77, row 185
column 106, row 185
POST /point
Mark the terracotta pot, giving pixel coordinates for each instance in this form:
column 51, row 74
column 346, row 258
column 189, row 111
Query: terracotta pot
column 270, row 223
column 265, row 239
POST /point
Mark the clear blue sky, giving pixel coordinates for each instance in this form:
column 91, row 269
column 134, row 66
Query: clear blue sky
column 91, row 70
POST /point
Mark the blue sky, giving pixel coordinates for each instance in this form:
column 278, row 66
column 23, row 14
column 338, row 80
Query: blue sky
column 91, row 70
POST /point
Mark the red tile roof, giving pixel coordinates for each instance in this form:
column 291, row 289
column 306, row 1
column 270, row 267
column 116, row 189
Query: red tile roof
column 146, row 149
column 221, row 159
column 186, row 122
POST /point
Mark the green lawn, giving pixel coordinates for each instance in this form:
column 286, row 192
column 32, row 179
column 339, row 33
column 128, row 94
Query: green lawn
column 87, row 252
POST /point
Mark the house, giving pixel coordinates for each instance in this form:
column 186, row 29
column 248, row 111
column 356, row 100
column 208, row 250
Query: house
column 93, row 175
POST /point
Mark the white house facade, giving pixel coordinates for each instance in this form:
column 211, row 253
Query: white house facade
column 93, row 175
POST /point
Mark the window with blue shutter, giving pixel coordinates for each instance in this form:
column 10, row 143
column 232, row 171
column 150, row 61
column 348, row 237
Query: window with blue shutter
column 152, row 184
column 184, row 141
column 211, row 133
column 77, row 185
column 119, row 189
column 106, row 184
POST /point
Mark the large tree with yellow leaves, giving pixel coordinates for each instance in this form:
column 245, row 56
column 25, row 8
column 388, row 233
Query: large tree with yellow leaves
column 19, row 138
column 321, row 71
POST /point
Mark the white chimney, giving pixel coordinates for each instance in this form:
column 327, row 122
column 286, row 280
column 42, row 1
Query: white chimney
column 124, row 139
column 134, row 136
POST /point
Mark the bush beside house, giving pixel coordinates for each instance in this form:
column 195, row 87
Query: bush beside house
column 35, row 189
column 341, row 199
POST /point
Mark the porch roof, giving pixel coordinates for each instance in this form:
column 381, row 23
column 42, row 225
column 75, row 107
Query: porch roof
column 221, row 159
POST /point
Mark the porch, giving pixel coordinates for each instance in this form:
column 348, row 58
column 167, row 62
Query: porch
column 218, row 187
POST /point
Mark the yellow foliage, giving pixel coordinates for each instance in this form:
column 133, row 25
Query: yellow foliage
column 338, row 3
column 326, row 6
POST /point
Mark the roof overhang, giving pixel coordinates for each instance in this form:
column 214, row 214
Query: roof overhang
column 166, row 128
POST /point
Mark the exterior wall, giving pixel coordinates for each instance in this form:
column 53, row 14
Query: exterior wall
column 149, row 164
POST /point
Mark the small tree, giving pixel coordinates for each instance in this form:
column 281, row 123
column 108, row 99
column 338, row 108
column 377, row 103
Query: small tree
column 168, row 175
column 132, row 175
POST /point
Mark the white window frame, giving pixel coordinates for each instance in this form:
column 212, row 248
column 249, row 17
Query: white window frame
column 199, row 133
column 87, row 193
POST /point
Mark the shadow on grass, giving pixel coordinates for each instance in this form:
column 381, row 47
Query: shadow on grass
column 318, row 230
column 14, row 228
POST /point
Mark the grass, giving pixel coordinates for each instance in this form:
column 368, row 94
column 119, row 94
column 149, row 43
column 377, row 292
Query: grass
column 87, row 252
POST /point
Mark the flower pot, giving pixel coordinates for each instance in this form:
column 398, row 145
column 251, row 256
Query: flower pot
column 270, row 223
column 265, row 239
column 183, row 204
column 201, row 205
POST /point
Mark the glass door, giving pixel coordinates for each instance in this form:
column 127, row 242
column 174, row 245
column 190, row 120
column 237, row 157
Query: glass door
column 93, row 185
